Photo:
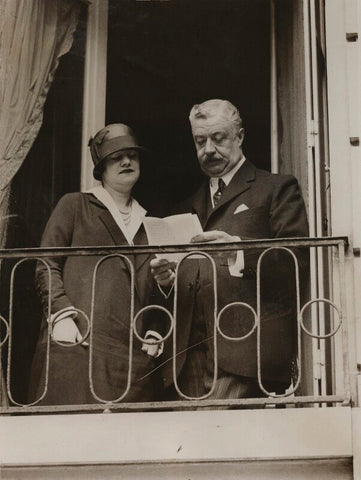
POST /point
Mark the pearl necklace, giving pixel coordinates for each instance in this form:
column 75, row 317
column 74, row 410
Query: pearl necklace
column 127, row 214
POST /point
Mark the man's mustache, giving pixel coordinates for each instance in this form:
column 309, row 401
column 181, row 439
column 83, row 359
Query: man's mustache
column 211, row 158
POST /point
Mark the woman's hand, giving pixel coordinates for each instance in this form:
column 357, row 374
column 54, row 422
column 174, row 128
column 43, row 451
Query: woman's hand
column 66, row 330
column 163, row 271
column 153, row 350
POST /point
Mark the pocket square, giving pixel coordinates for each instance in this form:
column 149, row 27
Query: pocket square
column 241, row 208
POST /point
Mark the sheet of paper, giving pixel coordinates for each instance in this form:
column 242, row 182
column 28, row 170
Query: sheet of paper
column 173, row 230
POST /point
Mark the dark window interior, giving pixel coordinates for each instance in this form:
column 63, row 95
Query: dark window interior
column 164, row 57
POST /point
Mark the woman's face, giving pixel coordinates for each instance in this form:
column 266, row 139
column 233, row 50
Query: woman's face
column 121, row 170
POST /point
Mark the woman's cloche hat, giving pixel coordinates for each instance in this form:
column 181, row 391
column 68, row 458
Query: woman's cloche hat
column 110, row 139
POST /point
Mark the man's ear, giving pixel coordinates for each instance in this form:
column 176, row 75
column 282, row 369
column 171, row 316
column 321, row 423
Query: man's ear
column 241, row 136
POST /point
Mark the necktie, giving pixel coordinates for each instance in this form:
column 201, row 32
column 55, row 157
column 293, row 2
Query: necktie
column 218, row 193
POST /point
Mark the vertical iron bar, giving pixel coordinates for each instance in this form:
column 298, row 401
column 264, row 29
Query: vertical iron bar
column 215, row 311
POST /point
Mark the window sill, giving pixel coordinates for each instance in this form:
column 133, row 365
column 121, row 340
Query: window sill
column 177, row 437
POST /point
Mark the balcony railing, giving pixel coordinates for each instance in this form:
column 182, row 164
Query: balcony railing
column 336, row 302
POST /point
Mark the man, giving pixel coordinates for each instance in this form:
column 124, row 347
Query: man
column 236, row 201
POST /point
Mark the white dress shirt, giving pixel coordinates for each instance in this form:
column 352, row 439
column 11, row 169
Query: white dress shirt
column 213, row 181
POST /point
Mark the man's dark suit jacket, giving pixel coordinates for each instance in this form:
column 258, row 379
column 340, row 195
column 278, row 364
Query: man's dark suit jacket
column 272, row 207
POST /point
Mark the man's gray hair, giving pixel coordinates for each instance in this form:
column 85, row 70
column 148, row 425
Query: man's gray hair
column 211, row 107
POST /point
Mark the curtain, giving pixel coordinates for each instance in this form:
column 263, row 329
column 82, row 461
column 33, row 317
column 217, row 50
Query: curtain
column 34, row 34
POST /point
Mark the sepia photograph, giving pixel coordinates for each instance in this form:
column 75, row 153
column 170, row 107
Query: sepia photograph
column 180, row 239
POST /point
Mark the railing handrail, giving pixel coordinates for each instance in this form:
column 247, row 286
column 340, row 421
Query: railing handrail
column 342, row 400
column 148, row 249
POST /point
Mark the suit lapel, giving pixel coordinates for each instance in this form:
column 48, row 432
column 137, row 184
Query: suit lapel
column 119, row 239
column 144, row 281
column 141, row 239
column 114, row 231
column 239, row 184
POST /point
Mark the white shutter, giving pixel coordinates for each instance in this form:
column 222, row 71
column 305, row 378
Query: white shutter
column 94, row 83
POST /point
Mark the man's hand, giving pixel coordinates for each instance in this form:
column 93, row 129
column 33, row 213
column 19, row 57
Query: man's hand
column 65, row 330
column 163, row 271
column 214, row 236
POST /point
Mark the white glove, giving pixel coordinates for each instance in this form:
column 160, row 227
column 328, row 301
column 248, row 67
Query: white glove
column 153, row 350
column 65, row 329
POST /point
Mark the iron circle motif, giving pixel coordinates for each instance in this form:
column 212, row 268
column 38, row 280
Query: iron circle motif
column 68, row 344
column 240, row 304
column 320, row 300
column 7, row 331
column 152, row 341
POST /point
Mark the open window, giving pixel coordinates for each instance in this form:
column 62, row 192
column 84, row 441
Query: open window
column 146, row 64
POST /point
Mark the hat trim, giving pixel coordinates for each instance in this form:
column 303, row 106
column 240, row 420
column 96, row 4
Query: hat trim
column 114, row 145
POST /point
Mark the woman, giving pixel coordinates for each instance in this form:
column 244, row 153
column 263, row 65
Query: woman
column 106, row 215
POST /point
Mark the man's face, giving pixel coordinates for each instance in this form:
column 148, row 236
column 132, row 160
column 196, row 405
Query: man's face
column 218, row 144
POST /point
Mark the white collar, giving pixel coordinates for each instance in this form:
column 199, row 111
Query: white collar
column 136, row 218
column 213, row 181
